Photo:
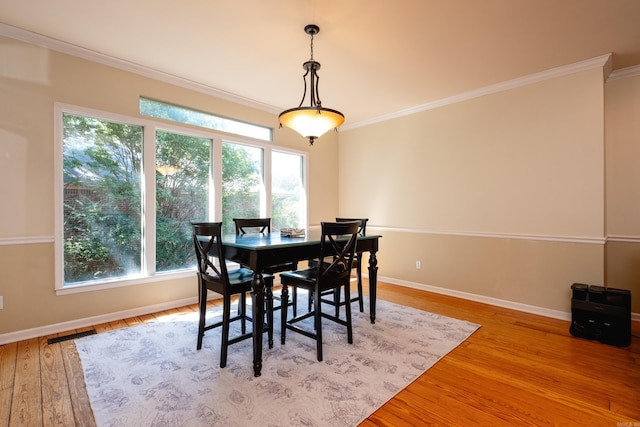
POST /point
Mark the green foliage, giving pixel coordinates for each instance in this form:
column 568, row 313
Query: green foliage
column 240, row 179
column 102, row 231
column 181, row 196
column 99, row 244
column 103, row 196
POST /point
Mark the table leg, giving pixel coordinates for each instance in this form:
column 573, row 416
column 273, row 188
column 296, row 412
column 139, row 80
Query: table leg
column 257, row 299
column 269, row 305
column 284, row 310
column 373, row 284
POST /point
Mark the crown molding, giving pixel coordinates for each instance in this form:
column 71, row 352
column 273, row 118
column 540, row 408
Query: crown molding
column 603, row 61
column 91, row 55
column 624, row 73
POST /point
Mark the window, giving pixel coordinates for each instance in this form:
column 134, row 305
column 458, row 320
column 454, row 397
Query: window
column 120, row 221
column 102, row 199
column 182, row 194
column 162, row 110
column 288, row 194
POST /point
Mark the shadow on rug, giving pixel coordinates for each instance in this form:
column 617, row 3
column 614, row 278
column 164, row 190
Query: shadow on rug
column 152, row 375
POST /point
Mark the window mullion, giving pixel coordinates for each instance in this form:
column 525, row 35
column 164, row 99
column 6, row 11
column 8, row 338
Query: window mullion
column 149, row 201
column 215, row 180
column 266, row 199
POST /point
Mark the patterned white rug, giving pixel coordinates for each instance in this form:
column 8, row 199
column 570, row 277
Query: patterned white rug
column 152, row 375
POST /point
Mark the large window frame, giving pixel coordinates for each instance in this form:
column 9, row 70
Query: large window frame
column 150, row 127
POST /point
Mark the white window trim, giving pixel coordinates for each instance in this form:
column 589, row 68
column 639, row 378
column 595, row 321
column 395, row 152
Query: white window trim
column 150, row 127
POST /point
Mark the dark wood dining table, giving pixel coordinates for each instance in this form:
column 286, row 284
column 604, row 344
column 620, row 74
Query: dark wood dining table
column 259, row 251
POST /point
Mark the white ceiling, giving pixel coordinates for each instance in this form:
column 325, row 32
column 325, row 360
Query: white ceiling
column 378, row 56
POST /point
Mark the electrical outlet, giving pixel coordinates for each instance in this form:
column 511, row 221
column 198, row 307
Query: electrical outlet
column 1, row 303
column 418, row 265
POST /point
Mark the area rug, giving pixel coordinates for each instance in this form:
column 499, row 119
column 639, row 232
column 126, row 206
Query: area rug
column 151, row 374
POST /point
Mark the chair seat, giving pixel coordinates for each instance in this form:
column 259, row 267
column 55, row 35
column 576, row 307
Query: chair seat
column 307, row 279
column 336, row 302
column 240, row 275
column 307, row 275
column 239, row 280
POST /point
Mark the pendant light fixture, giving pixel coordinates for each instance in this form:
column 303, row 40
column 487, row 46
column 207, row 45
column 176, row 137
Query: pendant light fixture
column 312, row 121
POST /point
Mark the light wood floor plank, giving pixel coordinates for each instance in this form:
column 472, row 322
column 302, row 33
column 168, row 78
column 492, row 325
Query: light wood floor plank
column 8, row 355
column 82, row 412
column 517, row 369
column 582, row 377
column 56, row 401
column 26, row 402
column 512, row 396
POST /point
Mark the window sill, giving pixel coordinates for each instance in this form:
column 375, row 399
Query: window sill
column 119, row 283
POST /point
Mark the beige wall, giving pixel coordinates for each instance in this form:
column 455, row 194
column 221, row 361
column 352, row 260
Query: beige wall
column 500, row 196
column 32, row 79
column 623, row 184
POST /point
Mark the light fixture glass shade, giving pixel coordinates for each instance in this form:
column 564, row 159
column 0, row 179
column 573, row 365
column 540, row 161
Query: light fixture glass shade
column 311, row 122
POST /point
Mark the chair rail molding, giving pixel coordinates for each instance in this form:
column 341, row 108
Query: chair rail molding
column 25, row 240
column 624, row 239
column 469, row 233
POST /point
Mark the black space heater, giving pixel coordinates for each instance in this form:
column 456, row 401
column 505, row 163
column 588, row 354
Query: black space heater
column 601, row 314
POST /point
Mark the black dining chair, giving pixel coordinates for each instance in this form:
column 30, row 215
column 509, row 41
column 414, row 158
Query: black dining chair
column 357, row 265
column 263, row 226
column 338, row 243
column 213, row 275
column 333, row 297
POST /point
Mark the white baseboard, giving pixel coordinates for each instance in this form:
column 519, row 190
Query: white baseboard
column 118, row 315
column 526, row 308
column 90, row 321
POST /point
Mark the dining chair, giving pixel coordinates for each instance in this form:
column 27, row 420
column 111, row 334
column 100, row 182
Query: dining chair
column 263, row 226
column 357, row 265
column 337, row 243
column 213, row 275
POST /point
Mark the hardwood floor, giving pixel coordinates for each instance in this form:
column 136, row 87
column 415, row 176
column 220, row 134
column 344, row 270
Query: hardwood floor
column 517, row 369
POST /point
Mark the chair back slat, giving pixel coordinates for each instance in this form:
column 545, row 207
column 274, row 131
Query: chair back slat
column 362, row 229
column 256, row 225
column 338, row 242
column 207, row 240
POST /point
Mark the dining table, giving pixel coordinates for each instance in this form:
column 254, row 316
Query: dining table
column 258, row 251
